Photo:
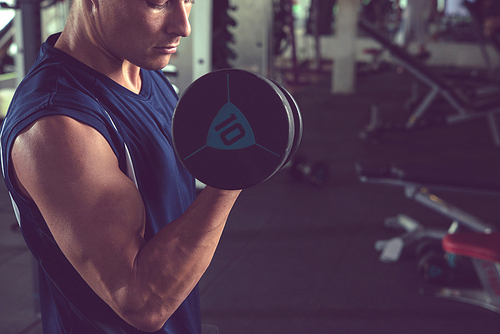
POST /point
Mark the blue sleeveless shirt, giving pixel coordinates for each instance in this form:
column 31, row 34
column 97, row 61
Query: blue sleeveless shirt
column 137, row 127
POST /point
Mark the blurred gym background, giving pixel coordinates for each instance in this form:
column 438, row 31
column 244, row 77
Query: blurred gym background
column 398, row 151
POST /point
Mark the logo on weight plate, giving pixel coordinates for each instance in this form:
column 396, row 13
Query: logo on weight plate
column 230, row 130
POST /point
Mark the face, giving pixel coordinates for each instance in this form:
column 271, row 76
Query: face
column 143, row 32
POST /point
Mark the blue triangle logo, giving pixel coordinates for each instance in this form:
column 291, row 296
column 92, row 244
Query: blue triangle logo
column 230, row 130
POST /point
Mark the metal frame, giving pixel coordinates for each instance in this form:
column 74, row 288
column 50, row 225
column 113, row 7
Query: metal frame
column 437, row 88
column 488, row 297
column 488, row 273
column 415, row 232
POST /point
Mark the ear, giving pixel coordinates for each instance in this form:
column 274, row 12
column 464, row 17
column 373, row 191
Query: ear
column 92, row 5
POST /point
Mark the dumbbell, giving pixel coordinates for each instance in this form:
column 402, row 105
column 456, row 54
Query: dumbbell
column 233, row 129
column 316, row 173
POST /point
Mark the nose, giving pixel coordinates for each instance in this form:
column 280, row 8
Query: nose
column 178, row 20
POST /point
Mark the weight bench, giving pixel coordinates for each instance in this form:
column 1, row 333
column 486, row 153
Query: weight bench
column 464, row 108
column 417, row 182
column 467, row 236
column 484, row 252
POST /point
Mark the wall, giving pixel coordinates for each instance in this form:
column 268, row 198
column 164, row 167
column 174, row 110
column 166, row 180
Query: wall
column 251, row 34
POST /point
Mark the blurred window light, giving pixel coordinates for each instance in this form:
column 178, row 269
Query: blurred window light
column 441, row 4
column 6, row 14
column 455, row 8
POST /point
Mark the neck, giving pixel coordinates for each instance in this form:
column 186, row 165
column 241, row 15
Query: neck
column 77, row 40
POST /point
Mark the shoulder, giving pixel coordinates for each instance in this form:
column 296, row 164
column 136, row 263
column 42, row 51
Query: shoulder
column 53, row 81
column 55, row 130
column 56, row 136
column 54, row 87
column 58, row 147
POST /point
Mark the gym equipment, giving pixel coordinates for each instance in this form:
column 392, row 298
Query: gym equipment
column 222, row 53
column 283, row 33
column 479, row 11
column 461, row 263
column 484, row 252
column 317, row 173
column 233, row 129
column 297, row 122
column 463, row 107
column 416, row 181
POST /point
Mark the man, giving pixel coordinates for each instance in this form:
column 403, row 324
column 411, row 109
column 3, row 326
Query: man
column 103, row 203
column 414, row 25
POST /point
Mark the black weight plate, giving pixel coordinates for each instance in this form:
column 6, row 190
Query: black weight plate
column 232, row 129
column 297, row 120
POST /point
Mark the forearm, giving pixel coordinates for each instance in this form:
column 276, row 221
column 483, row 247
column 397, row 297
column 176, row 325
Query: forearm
column 170, row 265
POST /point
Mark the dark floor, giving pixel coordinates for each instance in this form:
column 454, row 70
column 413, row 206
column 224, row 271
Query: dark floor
column 296, row 258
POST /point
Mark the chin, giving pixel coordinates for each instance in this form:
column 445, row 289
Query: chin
column 154, row 65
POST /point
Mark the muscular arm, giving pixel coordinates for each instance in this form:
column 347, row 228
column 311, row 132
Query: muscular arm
column 96, row 216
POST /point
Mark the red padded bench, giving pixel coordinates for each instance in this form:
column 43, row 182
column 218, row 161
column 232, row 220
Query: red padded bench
column 474, row 245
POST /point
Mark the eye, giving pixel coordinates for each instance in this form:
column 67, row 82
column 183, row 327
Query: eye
column 155, row 6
